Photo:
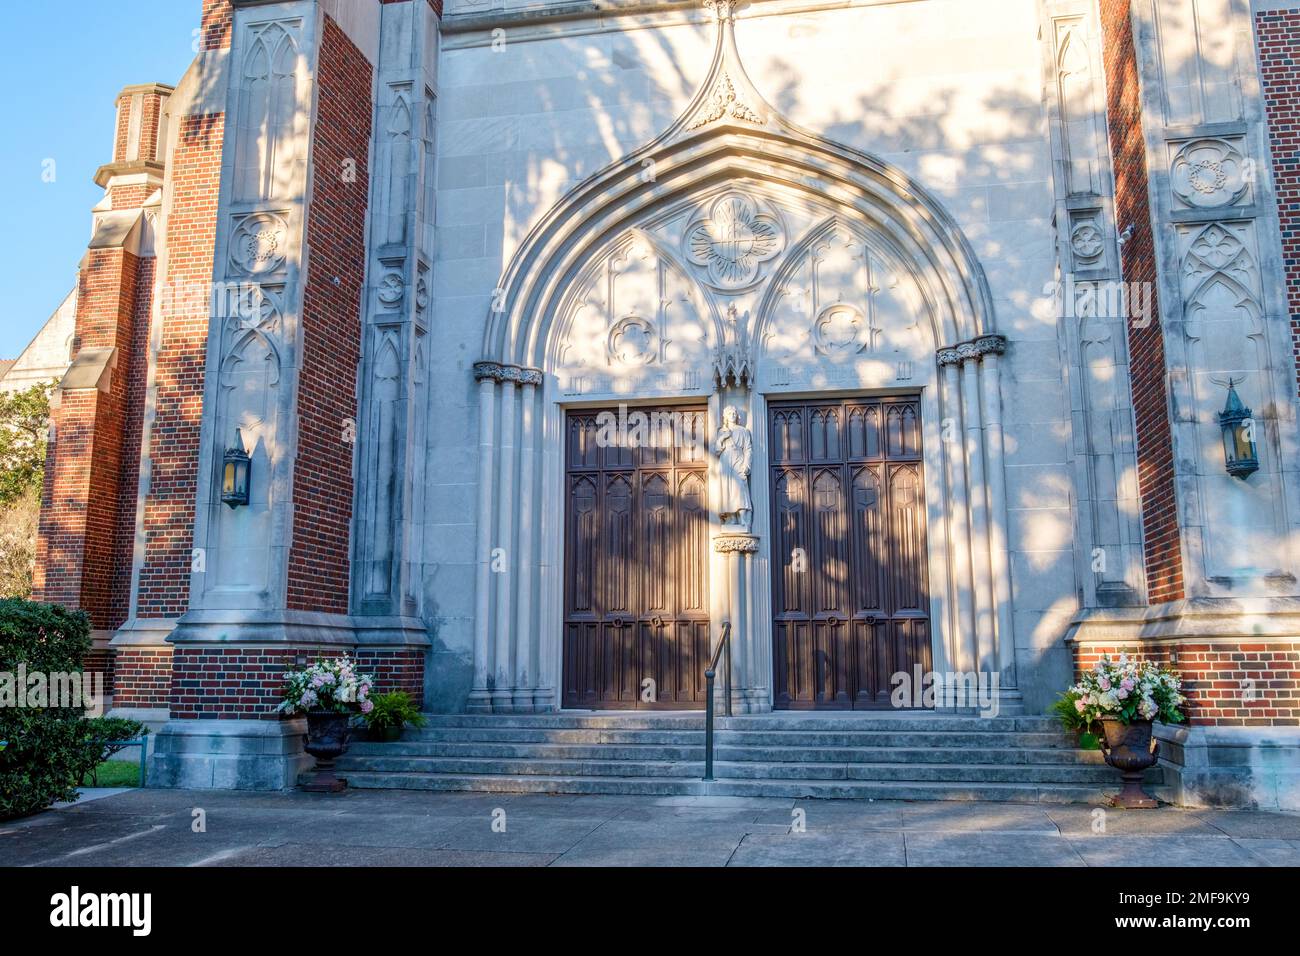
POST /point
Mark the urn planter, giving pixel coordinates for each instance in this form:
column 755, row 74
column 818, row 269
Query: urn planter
column 1130, row 749
column 327, row 740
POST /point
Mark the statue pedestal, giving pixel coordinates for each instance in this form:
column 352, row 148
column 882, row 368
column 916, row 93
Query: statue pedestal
column 739, row 547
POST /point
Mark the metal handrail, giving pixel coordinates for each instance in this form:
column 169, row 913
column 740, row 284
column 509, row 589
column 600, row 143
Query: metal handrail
column 712, row 672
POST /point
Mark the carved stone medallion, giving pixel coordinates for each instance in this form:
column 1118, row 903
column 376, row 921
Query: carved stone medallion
column 1208, row 173
column 840, row 330
column 733, row 241
column 633, row 340
column 257, row 245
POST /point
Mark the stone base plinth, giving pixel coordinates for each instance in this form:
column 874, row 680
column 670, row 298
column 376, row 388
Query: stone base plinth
column 1254, row 768
column 229, row 754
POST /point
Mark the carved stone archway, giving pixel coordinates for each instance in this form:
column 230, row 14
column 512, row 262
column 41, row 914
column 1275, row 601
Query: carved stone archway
column 674, row 273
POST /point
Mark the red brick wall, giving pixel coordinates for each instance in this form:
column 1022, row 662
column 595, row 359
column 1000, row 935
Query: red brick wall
column 394, row 669
column 142, row 677
column 319, row 560
column 99, row 660
column 1277, row 37
column 136, row 358
column 216, row 24
column 1161, row 537
column 241, row 683
column 180, row 366
column 77, row 557
column 129, row 197
column 122, row 129
column 1215, row 675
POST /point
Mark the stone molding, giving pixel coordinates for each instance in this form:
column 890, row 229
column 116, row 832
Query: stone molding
column 736, row 544
column 1202, row 620
column 974, row 350
column 496, row 372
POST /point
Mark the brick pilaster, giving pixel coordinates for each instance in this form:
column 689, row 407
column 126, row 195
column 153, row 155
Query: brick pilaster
column 1277, row 34
column 81, row 512
column 319, row 565
column 1162, row 541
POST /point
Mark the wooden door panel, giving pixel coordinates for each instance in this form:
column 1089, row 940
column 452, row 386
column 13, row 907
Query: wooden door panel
column 636, row 565
column 848, row 495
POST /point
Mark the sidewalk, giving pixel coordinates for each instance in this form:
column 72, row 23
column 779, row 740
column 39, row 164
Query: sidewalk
column 407, row 828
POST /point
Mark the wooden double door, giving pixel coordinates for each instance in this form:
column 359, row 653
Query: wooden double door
column 850, row 598
column 636, row 570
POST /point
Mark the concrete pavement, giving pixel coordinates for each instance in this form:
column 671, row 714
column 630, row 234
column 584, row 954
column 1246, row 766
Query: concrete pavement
column 404, row 828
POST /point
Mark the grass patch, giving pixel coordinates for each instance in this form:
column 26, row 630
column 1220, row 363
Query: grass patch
column 114, row 773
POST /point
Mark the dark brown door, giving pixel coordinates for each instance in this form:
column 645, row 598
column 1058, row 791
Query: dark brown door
column 850, row 600
column 636, row 598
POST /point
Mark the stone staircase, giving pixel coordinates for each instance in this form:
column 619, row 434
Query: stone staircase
column 888, row 756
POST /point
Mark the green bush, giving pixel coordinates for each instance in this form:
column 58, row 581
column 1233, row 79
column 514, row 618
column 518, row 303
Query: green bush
column 393, row 711
column 47, row 750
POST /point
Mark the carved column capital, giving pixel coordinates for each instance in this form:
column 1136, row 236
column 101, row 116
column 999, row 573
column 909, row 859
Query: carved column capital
column 497, row 372
column 991, row 345
column 972, row 351
column 722, row 9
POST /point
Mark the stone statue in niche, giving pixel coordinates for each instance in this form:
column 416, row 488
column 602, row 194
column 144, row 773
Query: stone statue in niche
column 734, row 447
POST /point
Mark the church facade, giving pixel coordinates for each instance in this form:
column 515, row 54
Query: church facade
column 891, row 337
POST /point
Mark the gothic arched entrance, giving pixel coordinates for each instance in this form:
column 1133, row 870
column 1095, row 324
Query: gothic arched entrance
column 758, row 268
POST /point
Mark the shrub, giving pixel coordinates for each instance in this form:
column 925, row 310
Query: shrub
column 104, row 737
column 47, row 749
column 393, row 711
column 102, row 732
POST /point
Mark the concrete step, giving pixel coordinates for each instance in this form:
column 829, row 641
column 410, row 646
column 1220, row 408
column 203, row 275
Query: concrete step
column 731, row 750
column 927, row 773
column 745, row 738
column 522, row 767
column 690, row 720
column 953, row 773
column 904, row 756
column 790, row 789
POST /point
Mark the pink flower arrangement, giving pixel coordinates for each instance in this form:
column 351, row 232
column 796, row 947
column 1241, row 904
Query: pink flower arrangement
column 330, row 684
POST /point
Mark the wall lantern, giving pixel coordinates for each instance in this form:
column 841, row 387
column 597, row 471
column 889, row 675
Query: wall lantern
column 236, row 473
column 1238, row 436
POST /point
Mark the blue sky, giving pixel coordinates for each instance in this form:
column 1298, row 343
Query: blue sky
column 61, row 65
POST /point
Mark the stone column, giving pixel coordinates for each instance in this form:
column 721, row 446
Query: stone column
column 525, row 666
column 993, row 346
column 738, row 550
column 965, row 655
column 502, row 678
column 981, row 575
column 480, row 700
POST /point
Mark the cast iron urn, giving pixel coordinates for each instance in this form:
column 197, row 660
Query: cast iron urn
column 327, row 740
column 1130, row 749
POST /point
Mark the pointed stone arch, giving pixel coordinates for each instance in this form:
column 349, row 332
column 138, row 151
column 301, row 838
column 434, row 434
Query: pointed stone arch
column 729, row 146
column 713, row 143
